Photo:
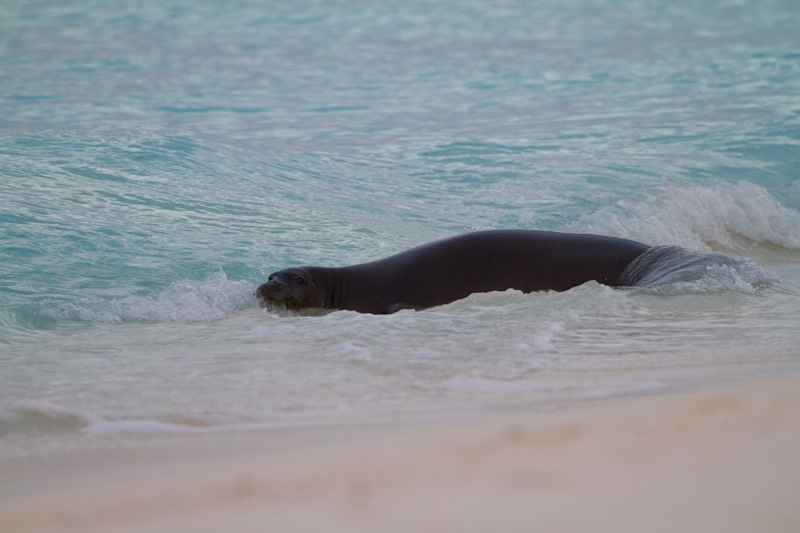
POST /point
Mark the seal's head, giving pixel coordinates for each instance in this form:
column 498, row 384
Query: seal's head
column 293, row 287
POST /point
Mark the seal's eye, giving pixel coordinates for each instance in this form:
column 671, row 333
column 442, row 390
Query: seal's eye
column 299, row 280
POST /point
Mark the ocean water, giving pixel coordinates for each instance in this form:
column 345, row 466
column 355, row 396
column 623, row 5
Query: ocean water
column 158, row 159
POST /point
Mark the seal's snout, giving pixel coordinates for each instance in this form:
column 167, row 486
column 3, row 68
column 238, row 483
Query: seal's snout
column 273, row 290
column 292, row 287
column 260, row 291
column 266, row 290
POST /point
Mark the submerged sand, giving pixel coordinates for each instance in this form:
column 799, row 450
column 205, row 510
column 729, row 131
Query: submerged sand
column 724, row 460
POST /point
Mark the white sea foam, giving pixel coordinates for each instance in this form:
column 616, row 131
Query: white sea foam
column 46, row 418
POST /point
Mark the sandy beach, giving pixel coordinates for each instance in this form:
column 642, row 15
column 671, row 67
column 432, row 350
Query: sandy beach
column 726, row 459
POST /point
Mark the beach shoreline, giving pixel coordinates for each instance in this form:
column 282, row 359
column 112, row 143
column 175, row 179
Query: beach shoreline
column 722, row 459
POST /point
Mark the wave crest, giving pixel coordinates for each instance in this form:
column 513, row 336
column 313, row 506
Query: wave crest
column 702, row 217
column 183, row 301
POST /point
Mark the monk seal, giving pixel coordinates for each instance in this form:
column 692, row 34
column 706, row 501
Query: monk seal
column 447, row 270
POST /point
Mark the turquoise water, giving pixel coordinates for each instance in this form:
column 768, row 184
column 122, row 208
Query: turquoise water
column 159, row 159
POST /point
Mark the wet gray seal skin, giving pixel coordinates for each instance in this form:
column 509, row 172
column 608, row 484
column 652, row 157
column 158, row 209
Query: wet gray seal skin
column 448, row 270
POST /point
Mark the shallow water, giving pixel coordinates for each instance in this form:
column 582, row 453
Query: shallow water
column 159, row 159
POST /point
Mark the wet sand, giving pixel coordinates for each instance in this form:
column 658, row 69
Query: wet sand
column 725, row 459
